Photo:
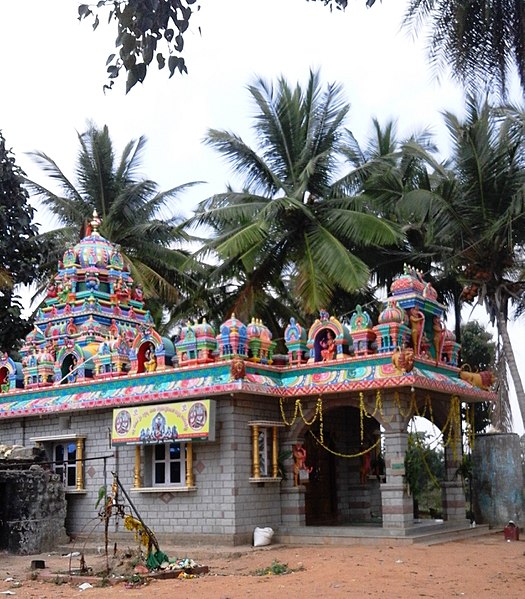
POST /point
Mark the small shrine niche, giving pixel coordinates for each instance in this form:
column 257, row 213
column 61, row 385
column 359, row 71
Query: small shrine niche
column 361, row 330
column 295, row 339
column 147, row 359
column 71, row 370
column 196, row 344
column 4, row 380
column 147, row 353
column 8, row 372
column 233, row 339
column 260, row 344
column 328, row 340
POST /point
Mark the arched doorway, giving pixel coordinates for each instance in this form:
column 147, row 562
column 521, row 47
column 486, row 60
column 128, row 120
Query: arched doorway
column 69, row 369
column 146, row 360
column 425, row 468
column 343, row 485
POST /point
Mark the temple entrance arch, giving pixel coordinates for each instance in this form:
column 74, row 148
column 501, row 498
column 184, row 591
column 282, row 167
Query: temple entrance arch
column 424, row 467
column 343, row 486
column 440, row 416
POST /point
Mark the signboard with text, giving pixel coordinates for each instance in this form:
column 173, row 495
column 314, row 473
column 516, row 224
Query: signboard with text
column 164, row 423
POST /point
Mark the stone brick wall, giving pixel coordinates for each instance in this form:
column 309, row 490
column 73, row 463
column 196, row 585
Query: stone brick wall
column 224, row 507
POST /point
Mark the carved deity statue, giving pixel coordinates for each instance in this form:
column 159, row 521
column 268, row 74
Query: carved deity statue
column 299, row 462
column 328, row 347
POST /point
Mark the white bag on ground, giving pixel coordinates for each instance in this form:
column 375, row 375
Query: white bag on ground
column 262, row 536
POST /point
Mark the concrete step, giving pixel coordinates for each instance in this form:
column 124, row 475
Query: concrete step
column 362, row 535
column 447, row 536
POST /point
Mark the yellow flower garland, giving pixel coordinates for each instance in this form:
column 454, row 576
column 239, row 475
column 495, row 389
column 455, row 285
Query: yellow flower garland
column 346, row 455
column 451, row 431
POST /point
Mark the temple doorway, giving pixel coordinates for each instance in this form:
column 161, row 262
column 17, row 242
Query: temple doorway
column 321, row 489
column 343, row 487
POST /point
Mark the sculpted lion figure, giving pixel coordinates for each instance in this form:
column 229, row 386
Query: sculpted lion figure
column 484, row 379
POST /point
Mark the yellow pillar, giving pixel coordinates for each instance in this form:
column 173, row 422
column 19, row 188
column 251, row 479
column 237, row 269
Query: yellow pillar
column 80, row 465
column 255, row 445
column 189, row 465
column 275, row 453
column 137, row 483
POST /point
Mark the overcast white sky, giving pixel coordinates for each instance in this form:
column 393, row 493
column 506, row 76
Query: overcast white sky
column 53, row 72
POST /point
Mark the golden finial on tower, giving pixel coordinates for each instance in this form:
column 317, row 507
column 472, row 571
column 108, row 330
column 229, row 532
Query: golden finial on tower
column 95, row 222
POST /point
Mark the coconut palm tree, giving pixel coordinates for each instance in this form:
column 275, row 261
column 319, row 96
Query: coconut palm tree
column 400, row 180
column 385, row 173
column 478, row 213
column 482, row 41
column 135, row 214
column 292, row 231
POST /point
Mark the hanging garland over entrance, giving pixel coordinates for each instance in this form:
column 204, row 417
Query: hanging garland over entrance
column 298, row 411
column 451, row 431
column 345, row 455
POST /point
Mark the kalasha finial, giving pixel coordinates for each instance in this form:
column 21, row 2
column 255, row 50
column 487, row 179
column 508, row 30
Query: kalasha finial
column 95, row 221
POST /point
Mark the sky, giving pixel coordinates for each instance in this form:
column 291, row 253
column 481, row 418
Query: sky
column 53, row 69
column 53, row 73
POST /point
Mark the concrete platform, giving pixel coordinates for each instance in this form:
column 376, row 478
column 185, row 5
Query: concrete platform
column 427, row 532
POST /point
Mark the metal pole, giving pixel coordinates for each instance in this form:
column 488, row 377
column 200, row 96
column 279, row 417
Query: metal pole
column 139, row 518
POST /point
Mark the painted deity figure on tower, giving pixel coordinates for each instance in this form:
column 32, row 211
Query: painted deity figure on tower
column 417, row 323
column 328, row 347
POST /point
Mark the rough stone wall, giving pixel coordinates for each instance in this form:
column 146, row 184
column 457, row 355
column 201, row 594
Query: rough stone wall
column 33, row 510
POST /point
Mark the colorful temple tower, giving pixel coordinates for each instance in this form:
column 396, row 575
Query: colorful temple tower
column 418, row 319
column 260, row 344
column 93, row 323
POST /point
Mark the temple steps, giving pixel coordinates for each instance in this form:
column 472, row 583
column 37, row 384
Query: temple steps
column 426, row 534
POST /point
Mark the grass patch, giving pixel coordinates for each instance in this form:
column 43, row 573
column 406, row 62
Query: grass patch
column 276, row 569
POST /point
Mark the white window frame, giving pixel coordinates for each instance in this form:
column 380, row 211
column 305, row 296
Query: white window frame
column 167, row 461
column 67, row 467
column 50, row 443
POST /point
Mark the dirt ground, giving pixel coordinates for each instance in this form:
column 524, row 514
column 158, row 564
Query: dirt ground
column 482, row 567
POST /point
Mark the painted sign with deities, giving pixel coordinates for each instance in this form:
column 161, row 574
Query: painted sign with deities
column 164, row 423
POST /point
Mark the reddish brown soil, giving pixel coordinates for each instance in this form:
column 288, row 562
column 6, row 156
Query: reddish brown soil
column 485, row 567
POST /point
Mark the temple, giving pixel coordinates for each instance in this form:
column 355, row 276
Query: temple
column 213, row 433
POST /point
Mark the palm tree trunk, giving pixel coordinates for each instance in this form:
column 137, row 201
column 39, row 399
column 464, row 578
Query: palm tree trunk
column 510, row 359
column 457, row 315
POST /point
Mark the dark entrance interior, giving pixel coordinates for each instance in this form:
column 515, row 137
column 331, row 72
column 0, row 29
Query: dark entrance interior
column 321, row 489
column 341, row 487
